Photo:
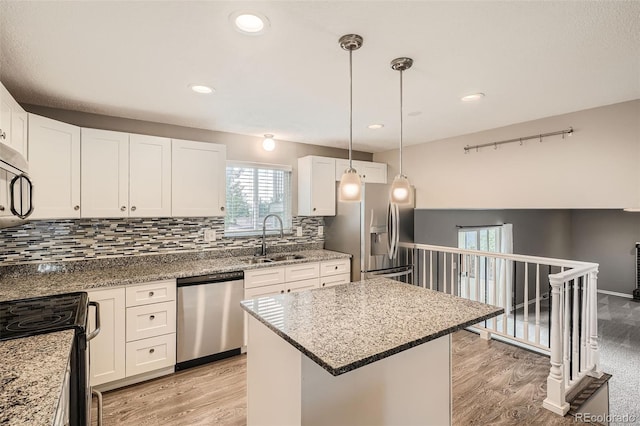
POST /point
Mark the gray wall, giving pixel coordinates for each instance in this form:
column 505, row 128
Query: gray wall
column 606, row 237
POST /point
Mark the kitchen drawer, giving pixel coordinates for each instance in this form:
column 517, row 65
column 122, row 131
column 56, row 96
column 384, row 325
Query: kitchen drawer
column 303, row 271
column 154, row 292
column 151, row 354
column 335, row 267
column 269, row 290
column 151, row 320
column 263, row 276
column 335, row 280
column 302, row 285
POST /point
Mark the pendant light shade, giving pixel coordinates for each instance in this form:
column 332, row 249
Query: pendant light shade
column 401, row 192
column 350, row 184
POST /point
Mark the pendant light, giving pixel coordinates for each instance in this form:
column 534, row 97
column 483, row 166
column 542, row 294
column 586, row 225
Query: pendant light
column 401, row 192
column 350, row 185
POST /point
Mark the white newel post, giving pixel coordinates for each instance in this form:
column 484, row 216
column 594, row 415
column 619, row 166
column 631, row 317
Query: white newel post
column 593, row 319
column 555, row 400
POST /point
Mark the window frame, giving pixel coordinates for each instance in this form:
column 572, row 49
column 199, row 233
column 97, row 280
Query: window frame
column 288, row 190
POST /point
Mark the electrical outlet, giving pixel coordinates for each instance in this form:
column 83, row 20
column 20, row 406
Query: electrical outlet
column 209, row 235
column 299, row 231
column 320, row 230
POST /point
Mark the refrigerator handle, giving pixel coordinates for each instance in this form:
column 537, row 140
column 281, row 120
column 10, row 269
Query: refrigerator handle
column 392, row 230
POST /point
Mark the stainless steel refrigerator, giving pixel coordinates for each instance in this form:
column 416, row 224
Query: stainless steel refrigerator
column 369, row 231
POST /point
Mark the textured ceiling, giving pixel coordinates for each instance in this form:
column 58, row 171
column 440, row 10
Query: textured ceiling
column 136, row 59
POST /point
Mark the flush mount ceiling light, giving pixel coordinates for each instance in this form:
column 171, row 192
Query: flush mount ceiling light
column 401, row 188
column 199, row 88
column 375, row 126
column 473, row 97
column 350, row 185
column 268, row 144
column 249, row 22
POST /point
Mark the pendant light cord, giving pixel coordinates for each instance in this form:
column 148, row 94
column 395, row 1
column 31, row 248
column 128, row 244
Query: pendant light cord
column 350, row 107
column 401, row 126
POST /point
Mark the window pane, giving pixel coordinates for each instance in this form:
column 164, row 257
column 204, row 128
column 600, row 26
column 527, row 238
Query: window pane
column 252, row 194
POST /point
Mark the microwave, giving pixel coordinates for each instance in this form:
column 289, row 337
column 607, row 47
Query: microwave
column 16, row 188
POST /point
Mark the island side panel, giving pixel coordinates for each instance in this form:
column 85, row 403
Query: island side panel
column 273, row 378
column 412, row 387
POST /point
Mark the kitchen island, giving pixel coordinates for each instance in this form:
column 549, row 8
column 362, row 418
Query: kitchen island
column 375, row 352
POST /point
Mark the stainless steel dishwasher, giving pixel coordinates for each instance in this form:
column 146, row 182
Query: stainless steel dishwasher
column 210, row 321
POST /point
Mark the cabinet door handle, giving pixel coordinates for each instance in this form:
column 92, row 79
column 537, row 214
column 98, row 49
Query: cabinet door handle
column 133, row 208
column 76, row 208
column 150, row 294
column 323, row 284
column 3, row 135
column 314, row 209
column 151, row 350
column 335, row 268
column 152, row 317
column 1, row 208
column 96, row 331
column 288, row 290
column 281, row 291
column 222, row 208
column 123, row 208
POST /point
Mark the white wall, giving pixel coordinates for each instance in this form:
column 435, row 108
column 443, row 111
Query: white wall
column 597, row 167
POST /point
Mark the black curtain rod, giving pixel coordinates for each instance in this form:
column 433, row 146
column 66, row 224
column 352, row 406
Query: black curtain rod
column 479, row 226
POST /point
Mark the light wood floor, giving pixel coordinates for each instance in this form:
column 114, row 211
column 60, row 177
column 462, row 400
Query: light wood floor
column 493, row 383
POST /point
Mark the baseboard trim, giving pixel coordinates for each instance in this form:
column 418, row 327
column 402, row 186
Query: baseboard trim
column 615, row 293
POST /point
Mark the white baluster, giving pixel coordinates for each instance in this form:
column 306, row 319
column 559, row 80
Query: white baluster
column 584, row 331
column 565, row 331
column 444, row 271
column 477, row 295
column 453, row 271
column 555, row 400
column 431, row 269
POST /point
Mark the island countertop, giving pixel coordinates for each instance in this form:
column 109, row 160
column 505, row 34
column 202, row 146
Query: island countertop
column 346, row 327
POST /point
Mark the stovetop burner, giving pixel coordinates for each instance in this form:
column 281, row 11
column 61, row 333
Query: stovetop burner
column 38, row 315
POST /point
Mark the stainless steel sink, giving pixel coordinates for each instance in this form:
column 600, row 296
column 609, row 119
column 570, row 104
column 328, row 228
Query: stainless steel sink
column 255, row 260
column 284, row 257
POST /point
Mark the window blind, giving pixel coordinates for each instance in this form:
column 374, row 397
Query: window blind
column 253, row 192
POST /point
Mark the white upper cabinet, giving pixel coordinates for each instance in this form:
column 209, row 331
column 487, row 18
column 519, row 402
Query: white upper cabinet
column 316, row 186
column 368, row 171
column 54, row 167
column 198, row 179
column 125, row 175
column 105, row 173
column 149, row 176
column 13, row 122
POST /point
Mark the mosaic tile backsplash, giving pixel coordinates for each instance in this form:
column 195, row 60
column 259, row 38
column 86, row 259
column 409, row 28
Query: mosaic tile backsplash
column 80, row 239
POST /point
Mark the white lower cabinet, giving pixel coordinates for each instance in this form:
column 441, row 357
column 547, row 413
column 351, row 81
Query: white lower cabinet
column 335, row 272
column 151, row 354
column 107, row 349
column 137, row 333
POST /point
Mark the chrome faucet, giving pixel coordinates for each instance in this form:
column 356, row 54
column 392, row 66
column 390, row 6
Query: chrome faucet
column 263, row 247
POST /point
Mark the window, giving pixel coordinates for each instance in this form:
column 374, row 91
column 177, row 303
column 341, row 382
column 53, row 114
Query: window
column 254, row 191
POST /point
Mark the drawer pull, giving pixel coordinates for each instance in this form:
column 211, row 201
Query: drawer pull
column 150, row 294
column 152, row 317
column 336, row 267
column 323, row 284
column 288, row 290
column 281, row 291
column 151, row 350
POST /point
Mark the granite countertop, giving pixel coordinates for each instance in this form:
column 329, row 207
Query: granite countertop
column 30, row 391
column 346, row 327
column 45, row 279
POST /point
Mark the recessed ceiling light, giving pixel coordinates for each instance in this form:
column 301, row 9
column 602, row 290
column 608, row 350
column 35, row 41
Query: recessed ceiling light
column 249, row 22
column 472, row 97
column 375, row 126
column 199, row 88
